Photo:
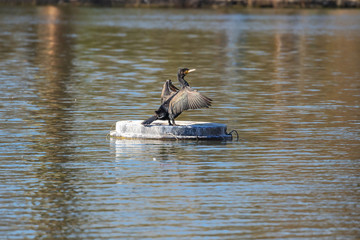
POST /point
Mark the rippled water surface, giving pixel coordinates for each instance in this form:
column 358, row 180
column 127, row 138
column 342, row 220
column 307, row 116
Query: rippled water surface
column 287, row 81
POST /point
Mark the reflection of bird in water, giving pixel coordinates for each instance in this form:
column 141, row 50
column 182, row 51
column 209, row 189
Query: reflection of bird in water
column 174, row 101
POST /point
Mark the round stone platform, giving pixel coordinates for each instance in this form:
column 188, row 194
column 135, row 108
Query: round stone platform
column 161, row 130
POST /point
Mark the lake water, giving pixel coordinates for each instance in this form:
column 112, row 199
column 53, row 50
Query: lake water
column 287, row 80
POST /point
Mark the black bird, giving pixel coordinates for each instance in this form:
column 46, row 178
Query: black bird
column 168, row 91
column 174, row 101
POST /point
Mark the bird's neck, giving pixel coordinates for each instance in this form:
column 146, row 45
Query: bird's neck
column 182, row 81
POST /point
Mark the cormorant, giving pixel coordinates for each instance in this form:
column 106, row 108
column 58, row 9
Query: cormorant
column 168, row 91
column 174, row 101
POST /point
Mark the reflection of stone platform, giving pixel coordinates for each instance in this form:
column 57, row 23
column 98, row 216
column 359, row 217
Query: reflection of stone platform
column 161, row 130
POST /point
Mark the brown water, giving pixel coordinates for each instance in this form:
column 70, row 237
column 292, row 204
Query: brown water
column 287, row 81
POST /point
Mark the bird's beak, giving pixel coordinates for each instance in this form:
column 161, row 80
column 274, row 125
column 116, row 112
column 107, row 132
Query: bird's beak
column 191, row 70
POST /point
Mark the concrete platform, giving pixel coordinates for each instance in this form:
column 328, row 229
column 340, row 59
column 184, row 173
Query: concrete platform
column 161, row 130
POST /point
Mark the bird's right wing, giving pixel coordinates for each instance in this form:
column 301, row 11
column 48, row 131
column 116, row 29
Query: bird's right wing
column 168, row 90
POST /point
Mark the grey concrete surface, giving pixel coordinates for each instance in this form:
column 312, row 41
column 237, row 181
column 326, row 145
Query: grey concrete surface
column 161, row 130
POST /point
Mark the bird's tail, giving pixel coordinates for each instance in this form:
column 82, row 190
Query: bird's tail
column 150, row 120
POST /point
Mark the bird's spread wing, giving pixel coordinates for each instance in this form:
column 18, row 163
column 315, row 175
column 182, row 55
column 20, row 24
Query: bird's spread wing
column 188, row 98
column 172, row 87
column 168, row 90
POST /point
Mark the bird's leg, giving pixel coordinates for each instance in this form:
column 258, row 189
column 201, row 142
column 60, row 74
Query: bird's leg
column 174, row 122
column 169, row 122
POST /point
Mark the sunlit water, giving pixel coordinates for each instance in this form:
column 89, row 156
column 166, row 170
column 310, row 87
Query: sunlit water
column 287, row 81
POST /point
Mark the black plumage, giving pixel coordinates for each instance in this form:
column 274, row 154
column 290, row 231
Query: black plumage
column 174, row 101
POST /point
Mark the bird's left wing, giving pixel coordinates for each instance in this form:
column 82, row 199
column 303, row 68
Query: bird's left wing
column 187, row 98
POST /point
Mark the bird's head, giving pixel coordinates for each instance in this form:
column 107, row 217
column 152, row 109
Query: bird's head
column 183, row 71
